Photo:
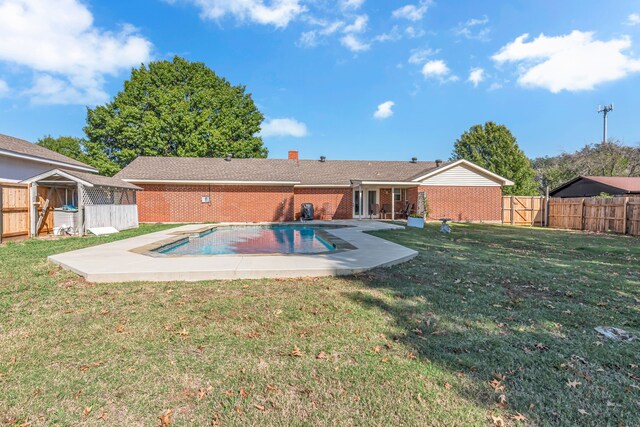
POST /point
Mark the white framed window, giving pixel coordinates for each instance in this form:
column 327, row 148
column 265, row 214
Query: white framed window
column 397, row 194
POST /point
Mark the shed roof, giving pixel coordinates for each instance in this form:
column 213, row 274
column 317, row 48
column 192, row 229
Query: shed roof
column 624, row 183
column 85, row 178
column 9, row 145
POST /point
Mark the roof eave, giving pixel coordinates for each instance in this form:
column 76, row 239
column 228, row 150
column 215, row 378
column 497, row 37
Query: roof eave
column 82, row 167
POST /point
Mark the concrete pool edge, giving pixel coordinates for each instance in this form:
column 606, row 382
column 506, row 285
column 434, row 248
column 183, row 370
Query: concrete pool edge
column 114, row 262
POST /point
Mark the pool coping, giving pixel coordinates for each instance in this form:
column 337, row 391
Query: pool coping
column 321, row 230
column 116, row 262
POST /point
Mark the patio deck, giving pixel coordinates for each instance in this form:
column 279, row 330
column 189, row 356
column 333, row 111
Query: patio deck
column 118, row 262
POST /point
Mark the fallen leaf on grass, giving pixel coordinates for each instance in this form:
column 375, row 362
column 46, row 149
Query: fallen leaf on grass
column 277, row 313
column 502, row 401
column 496, row 385
column 296, row 352
column 104, row 312
column 259, row 407
column 447, row 386
column 497, row 421
column 87, row 410
column 91, row 365
column 518, row 417
column 120, row 329
column 573, row 384
column 321, row 355
column 411, row 356
column 102, row 415
column 582, row 412
column 377, row 349
column 165, row 419
column 183, row 333
column 243, row 393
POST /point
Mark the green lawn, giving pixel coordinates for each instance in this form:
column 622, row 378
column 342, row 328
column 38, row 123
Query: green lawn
column 487, row 323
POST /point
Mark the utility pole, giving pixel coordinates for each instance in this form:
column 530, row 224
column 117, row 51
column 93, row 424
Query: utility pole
column 605, row 110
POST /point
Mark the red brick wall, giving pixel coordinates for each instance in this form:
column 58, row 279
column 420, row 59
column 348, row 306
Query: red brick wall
column 338, row 200
column 182, row 203
column 464, row 203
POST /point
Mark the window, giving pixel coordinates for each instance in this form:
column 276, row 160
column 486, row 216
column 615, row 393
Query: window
column 399, row 194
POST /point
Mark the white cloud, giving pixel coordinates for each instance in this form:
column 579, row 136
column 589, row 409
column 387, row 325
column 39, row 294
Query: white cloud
column 633, row 19
column 359, row 25
column 495, row 86
column 412, row 12
column 474, row 29
column 438, row 69
column 58, row 41
column 476, row 76
column 414, row 33
column 384, row 110
column 351, row 4
column 354, row 44
column 393, row 35
column 419, row 56
column 284, row 127
column 277, row 13
column 572, row 62
column 4, row 88
column 312, row 38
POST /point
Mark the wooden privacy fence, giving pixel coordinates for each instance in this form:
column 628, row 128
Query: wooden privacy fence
column 524, row 210
column 14, row 210
column 122, row 217
column 598, row 214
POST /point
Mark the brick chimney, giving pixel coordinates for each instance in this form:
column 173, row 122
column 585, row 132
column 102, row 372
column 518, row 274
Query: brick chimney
column 293, row 155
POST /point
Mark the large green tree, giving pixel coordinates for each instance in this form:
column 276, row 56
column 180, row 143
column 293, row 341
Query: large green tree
column 493, row 147
column 81, row 150
column 176, row 108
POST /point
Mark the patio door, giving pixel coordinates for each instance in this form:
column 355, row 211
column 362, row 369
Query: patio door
column 369, row 199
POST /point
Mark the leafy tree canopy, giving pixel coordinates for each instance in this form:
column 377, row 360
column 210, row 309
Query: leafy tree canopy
column 176, row 108
column 493, row 147
column 603, row 159
column 81, row 150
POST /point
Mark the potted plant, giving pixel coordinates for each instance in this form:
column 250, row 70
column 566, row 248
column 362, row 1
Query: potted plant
column 416, row 221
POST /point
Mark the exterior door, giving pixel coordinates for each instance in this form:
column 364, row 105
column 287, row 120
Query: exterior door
column 369, row 198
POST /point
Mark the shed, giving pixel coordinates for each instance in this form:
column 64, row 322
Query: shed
column 591, row 186
column 73, row 202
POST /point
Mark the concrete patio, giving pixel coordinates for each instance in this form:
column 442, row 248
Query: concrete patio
column 115, row 262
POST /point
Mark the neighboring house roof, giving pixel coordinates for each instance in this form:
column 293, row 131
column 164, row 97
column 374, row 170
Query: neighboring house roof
column 84, row 178
column 14, row 147
column 284, row 171
column 624, row 183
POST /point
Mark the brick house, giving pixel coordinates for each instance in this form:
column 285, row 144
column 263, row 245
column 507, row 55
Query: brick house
column 179, row 189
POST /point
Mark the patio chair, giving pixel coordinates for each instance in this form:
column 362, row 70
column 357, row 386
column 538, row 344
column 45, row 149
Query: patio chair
column 327, row 211
column 374, row 209
column 404, row 212
column 386, row 209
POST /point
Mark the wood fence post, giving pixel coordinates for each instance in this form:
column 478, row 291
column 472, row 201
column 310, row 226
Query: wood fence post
column 513, row 208
column 1, row 214
column 624, row 215
column 583, row 215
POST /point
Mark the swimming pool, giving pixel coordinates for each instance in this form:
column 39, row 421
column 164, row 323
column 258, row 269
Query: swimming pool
column 266, row 239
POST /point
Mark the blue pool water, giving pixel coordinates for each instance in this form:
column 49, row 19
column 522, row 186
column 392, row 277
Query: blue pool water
column 274, row 239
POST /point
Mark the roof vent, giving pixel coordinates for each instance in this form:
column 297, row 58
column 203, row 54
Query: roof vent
column 438, row 163
column 414, row 160
column 323, row 159
column 228, row 158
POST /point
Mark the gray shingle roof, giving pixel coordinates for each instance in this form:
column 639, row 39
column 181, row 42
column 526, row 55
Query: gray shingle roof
column 305, row 172
column 21, row 146
column 102, row 181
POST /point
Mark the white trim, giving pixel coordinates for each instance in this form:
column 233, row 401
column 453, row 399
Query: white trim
column 35, row 179
column 323, row 186
column 202, row 182
column 407, row 184
column 484, row 171
column 44, row 160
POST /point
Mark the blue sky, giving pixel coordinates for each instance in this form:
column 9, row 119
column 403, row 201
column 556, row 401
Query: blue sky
column 348, row 79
